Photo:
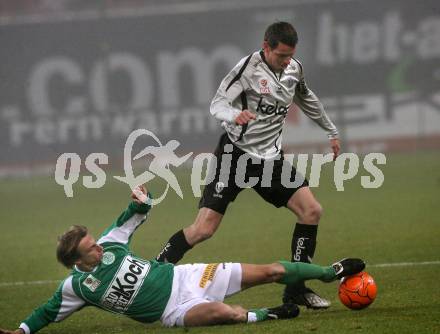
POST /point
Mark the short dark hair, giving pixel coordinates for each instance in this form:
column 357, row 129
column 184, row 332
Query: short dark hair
column 282, row 32
column 67, row 249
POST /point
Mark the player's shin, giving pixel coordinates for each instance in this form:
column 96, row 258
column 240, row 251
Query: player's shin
column 303, row 249
column 299, row 272
column 174, row 249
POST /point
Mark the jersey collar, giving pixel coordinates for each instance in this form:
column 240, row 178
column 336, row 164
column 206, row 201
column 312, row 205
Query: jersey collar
column 85, row 272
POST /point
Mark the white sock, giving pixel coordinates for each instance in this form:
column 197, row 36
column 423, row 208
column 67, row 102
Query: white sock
column 251, row 317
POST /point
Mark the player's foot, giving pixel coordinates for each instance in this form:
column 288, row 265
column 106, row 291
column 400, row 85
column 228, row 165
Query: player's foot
column 285, row 311
column 309, row 299
column 347, row 267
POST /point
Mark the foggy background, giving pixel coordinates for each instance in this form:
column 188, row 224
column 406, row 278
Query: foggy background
column 80, row 76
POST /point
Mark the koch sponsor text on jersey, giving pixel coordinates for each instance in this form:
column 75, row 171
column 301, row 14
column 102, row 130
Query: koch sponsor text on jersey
column 125, row 285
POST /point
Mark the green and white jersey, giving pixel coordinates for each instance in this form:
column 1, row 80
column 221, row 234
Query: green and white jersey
column 122, row 283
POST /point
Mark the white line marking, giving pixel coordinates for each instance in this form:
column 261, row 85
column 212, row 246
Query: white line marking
column 29, row 283
column 403, row 264
column 379, row 265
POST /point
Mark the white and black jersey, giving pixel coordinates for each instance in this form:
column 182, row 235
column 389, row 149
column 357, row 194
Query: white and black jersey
column 252, row 85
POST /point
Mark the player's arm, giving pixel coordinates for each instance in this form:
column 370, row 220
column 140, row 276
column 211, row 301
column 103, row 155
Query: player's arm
column 311, row 106
column 229, row 90
column 135, row 215
column 62, row 304
column 17, row 331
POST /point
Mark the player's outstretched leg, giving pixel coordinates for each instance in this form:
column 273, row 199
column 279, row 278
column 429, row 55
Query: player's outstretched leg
column 218, row 313
column 283, row 272
column 298, row 271
column 214, row 313
column 293, row 272
column 290, row 273
column 342, row 268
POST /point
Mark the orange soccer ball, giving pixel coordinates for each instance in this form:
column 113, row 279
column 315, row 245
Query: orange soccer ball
column 357, row 291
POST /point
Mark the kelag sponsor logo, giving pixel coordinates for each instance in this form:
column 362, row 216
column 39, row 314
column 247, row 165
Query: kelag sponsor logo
column 269, row 109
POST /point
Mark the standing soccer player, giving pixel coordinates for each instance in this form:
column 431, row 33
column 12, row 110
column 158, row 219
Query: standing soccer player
column 252, row 102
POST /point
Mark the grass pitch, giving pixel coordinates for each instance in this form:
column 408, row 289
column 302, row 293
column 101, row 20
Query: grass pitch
column 396, row 223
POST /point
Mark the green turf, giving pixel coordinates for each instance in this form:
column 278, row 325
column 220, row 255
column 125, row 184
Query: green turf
column 397, row 223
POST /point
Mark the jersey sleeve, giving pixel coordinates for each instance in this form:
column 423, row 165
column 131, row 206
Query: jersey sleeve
column 229, row 90
column 123, row 228
column 62, row 304
column 311, row 106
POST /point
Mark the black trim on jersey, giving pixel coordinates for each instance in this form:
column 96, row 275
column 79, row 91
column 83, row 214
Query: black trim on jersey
column 302, row 87
column 244, row 105
column 299, row 64
column 279, row 134
column 243, row 130
column 243, row 97
column 240, row 72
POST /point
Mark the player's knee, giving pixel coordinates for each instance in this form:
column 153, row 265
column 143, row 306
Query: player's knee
column 205, row 228
column 204, row 232
column 313, row 213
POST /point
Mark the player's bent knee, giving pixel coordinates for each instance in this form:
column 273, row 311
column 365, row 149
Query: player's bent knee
column 204, row 232
column 314, row 212
column 206, row 226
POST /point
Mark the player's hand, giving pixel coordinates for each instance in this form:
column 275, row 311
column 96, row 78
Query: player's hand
column 139, row 195
column 336, row 147
column 244, row 117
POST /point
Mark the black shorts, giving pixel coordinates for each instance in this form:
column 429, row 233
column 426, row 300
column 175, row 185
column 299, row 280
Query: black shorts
column 223, row 189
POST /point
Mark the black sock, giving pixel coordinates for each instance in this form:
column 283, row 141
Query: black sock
column 175, row 248
column 303, row 249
